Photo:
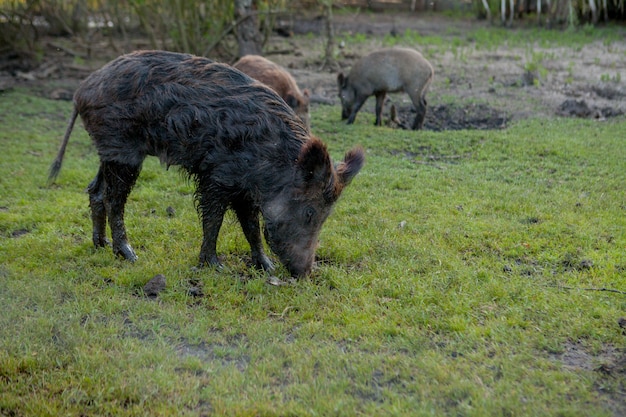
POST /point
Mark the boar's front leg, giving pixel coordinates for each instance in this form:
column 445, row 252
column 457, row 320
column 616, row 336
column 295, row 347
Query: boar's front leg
column 118, row 181
column 212, row 211
column 249, row 219
column 358, row 103
column 380, row 100
column 98, row 211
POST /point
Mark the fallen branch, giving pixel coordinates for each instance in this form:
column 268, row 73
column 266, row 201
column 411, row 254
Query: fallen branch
column 282, row 315
column 602, row 289
column 281, row 52
column 67, row 50
column 316, row 98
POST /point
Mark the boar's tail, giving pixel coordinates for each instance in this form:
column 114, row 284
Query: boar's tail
column 55, row 167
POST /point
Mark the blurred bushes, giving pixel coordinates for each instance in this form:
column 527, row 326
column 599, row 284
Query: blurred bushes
column 200, row 26
column 195, row 26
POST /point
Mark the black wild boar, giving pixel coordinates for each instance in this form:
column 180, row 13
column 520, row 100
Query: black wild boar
column 242, row 145
column 385, row 71
column 279, row 80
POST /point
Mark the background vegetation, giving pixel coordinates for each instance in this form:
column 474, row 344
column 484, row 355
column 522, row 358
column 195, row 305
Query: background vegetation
column 179, row 25
column 199, row 27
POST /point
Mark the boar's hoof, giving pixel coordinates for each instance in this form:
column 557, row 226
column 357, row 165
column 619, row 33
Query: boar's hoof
column 263, row 262
column 126, row 251
column 210, row 261
column 100, row 241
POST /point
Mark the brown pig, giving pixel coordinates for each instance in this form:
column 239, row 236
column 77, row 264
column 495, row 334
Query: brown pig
column 385, row 71
column 279, row 80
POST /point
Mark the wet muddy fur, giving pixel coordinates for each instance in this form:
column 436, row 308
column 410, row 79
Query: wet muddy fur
column 238, row 141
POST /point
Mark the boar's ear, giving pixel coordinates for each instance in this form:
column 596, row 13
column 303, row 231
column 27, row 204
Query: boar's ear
column 306, row 93
column 314, row 165
column 342, row 80
column 348, row 168
column 291, row 101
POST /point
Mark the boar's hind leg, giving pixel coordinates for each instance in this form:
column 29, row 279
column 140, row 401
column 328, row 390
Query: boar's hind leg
column 380, row 100
column 118, row 181
column 249, row 220
column 358, row 103
column 420, row 109
column 98, row 212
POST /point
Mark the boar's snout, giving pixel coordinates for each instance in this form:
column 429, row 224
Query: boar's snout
column 300, row 266
column 297, row 255
column 294, row 218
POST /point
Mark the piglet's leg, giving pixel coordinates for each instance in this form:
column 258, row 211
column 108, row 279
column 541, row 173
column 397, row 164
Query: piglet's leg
column 119, row 180
column 98, row 211
column 249, row 220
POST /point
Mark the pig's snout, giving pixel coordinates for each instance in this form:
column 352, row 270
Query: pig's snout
column 300, row 267
column 297, row 256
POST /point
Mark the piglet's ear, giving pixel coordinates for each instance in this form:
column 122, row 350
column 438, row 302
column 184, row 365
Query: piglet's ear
column 315, row 165
column 348, row 168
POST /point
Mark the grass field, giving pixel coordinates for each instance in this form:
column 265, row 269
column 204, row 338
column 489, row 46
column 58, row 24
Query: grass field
column 462, row 273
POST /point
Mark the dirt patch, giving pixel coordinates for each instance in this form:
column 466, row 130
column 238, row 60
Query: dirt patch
column 576, row 357
column 580, row 108
column 609, row 365
column 468, row 116
column 223, row 355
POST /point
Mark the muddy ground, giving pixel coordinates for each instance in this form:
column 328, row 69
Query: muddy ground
column 475, row 89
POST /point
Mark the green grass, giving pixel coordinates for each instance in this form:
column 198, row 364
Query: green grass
column 453, row 275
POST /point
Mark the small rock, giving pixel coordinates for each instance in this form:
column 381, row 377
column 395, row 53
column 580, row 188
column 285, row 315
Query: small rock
column 154, row 286
column 274, row 280
column 19, row 232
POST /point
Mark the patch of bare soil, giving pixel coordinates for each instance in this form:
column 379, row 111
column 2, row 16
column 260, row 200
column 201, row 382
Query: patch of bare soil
column 609, row 365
